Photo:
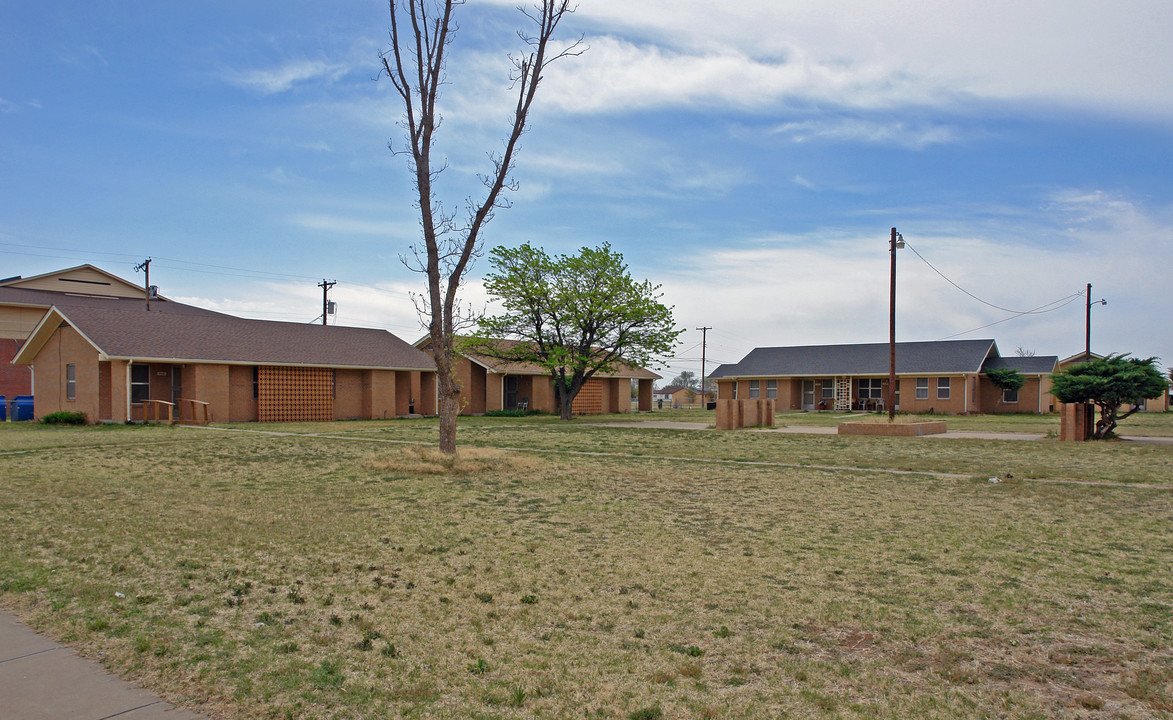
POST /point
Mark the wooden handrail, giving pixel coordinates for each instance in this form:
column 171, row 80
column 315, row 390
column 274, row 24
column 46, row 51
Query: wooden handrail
column 152, row 408
column 198, row 408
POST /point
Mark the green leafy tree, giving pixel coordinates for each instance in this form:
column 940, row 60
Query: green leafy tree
column 574, row 315
column 1110, row 383
column 686, row 379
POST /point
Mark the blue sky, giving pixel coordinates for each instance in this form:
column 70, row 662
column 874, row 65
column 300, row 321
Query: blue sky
column 750, row 159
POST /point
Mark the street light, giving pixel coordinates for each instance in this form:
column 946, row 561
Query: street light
column 1087, row 348
column 897, row 241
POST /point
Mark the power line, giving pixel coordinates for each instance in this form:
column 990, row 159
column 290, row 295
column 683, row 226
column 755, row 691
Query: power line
column 975, row 297
column 1037, row 311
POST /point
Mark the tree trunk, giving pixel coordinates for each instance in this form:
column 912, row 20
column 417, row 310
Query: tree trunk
column 1106, row 423
column 448, row 390
column 449, row 409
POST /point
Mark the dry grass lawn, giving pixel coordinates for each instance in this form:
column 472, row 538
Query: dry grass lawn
column 266, row 576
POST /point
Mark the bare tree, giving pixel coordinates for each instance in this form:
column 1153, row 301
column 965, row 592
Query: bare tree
column 421, row 31
column 1024, row 352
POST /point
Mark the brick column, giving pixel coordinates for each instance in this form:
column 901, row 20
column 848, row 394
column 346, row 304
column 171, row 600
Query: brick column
column 1077, row 423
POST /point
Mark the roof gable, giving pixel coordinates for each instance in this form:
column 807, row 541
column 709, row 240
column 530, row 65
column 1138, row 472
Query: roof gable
column 1030, row 365
column 85, row 279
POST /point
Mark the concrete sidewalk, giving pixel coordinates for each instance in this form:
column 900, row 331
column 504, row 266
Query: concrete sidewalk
column 41, row 680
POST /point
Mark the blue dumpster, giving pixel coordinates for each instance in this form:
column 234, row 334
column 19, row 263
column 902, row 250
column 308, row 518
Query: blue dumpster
column 3, row 408
column 22, row 407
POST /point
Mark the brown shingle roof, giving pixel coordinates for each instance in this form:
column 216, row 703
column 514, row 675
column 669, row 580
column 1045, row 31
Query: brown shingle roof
column 507, row 367
column 213, row 337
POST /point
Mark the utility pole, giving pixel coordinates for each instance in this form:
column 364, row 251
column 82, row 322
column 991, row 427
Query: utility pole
column 326, row 285
column 1087, row 346
column 145, row 266
column 704, row 345
column 897, row 241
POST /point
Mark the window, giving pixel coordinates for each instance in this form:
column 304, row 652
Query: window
column 922, row 388
column 871, row 389
column 771, row 388
column 755, row 389
column 828, row 386
column 943, row 388
column 1009, row 396
column 140, row 384
column 71, row 382
column 734, row 389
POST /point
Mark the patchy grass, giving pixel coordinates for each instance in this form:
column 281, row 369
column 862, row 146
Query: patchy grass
column 260, row 576
column 1114, row 462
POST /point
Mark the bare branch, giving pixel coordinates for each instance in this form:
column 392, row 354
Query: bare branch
column 420, row 32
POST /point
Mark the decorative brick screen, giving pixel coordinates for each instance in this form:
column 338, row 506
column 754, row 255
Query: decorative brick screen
column 589, row 400
column 294, row 394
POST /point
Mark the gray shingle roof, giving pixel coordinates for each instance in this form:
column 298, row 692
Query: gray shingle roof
column 213, row 337
column 938, row 358
column 1035, row 365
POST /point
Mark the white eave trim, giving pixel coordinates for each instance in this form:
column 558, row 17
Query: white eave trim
column 251, row 363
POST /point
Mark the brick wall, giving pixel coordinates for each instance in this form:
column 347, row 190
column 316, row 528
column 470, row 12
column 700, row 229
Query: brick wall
column 589, row 400
column 14, row 379
column 66, row 347
column 295, row 394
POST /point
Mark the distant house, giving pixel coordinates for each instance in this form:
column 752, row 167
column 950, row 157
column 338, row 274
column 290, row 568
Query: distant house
column 664, row 395
column 945, row 377
column 677, row 396
column 87, row 343
column 489, row 384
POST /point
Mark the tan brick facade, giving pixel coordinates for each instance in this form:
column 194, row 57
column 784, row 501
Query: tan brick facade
column 66, row 347
column 945, row 394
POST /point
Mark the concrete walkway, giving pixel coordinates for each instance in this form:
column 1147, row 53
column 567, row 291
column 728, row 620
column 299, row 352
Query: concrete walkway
column 816, row 430
column 831, row 430
column 41, row 680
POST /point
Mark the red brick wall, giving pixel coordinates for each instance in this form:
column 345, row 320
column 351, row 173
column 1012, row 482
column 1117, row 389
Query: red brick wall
column 14, row 379
column 242, row 405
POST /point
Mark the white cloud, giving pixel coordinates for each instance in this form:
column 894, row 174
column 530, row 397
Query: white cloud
column 386, row 305
column 900, row 133
column 7, row 106
column 284, row 77
column 620, row 75
column 1113, row 57
column 354, row 226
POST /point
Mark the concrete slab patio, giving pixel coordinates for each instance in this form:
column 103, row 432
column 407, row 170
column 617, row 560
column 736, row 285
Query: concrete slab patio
column 42, row 680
